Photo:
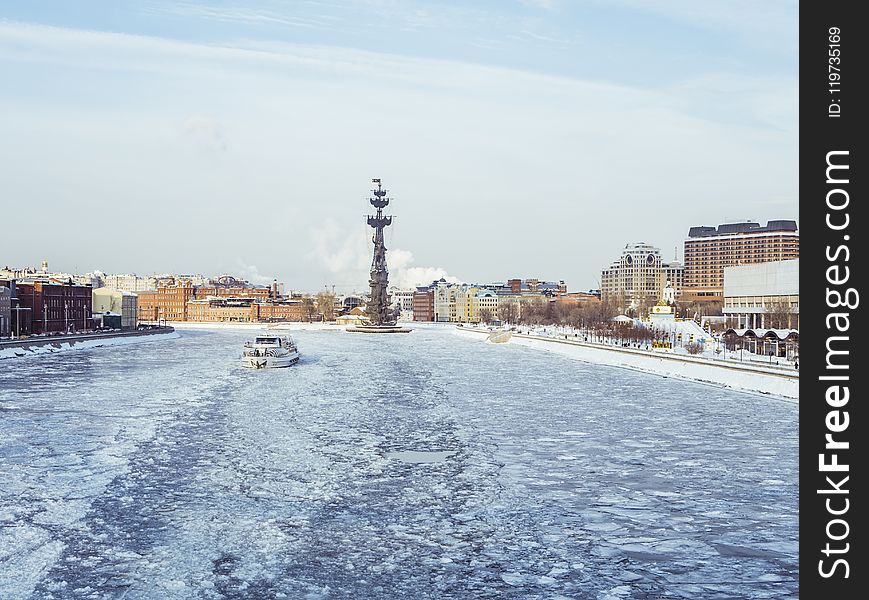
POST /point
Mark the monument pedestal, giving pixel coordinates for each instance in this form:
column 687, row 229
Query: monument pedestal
column 378, row 329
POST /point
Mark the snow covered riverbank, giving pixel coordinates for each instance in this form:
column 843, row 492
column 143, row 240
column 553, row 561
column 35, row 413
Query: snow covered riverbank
column 37, row 346
column 739, row 376
column 288, row 326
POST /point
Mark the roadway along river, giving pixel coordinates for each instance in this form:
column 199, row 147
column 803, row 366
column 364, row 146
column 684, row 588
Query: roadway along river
column 421, row 466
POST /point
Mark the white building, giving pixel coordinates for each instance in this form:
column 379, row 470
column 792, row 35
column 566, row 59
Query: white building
column 117, row 302
column 403, row 300
column 639, row 276
column 93, row 278
column 752, row 292
column 674, row 276
column 130, row 283
column 445, row 302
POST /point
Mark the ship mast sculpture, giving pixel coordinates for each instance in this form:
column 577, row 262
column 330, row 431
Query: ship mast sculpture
column 378, row 311
column 381, row 318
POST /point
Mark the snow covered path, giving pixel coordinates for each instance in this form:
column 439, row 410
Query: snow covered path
column 146, row 472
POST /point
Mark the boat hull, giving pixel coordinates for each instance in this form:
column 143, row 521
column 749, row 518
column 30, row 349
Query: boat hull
column 269, row 362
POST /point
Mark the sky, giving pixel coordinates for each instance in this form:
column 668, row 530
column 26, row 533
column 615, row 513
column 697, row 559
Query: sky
column 517, row 138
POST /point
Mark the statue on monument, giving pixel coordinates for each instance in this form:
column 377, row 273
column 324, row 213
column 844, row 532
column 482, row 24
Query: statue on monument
column 378, row 310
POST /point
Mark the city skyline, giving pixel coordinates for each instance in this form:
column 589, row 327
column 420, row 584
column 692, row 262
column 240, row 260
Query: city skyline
column 240, row 139
column 410, row 278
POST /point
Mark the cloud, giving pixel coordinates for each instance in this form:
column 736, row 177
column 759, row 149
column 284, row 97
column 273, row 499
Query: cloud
column 544, row 4
column 481, row 155
column 339, row 250
column 416, row 276
column 244, row 15
column 205, row 131
column 251, row 273
column 405, row 276
column 347, row 256
column 772, row 23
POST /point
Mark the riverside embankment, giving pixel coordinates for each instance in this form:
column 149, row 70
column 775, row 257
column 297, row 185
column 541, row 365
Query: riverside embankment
column 738, row 375
column 50, row 344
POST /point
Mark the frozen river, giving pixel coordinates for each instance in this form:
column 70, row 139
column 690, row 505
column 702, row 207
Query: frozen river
column 419, row 466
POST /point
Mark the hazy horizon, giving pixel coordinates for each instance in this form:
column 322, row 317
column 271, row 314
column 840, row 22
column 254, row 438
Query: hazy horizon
column 518, row 139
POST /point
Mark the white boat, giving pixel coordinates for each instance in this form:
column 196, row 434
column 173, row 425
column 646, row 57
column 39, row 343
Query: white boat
column 269, row 352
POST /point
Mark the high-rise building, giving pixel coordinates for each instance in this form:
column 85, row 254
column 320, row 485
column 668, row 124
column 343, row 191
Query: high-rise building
column 638, row 276
column 708, row 250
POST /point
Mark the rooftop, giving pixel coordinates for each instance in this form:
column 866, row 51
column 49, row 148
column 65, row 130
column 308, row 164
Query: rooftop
column 746, row 227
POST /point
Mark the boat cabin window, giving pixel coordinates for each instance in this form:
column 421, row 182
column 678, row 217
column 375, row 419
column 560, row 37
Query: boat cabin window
column 266, row 340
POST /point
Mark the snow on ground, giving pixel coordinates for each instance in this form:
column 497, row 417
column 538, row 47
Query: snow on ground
column 423, row 466
column 42, row 347
column 712, row 350
column 746, row 376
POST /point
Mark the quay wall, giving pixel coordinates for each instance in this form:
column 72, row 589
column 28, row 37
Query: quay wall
column 741, row 376
column 47, row 345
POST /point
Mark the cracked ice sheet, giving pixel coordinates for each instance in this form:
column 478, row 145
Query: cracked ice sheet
column 177, row 474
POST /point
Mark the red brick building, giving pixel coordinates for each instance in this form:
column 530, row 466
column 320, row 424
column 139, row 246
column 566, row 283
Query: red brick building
column 292, row 310
column 578, row 299
column 260, row 294
column 423, row 305
column 56, row 306
column 170, row 302
column 148, row 306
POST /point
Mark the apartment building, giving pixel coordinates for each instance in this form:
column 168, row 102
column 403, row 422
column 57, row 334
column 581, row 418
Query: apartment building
column 709, row 250
column 638, row 276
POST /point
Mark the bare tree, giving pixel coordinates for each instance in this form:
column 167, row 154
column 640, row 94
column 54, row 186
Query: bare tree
column 576, row 317
column 778, row 314
column 533, row 312
column 694, row 347
column 309, row 309
column 326, row 305
column 562, row 312
column 508, row 311
column 486, row 316
column 698, row 308
column 645, row 305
